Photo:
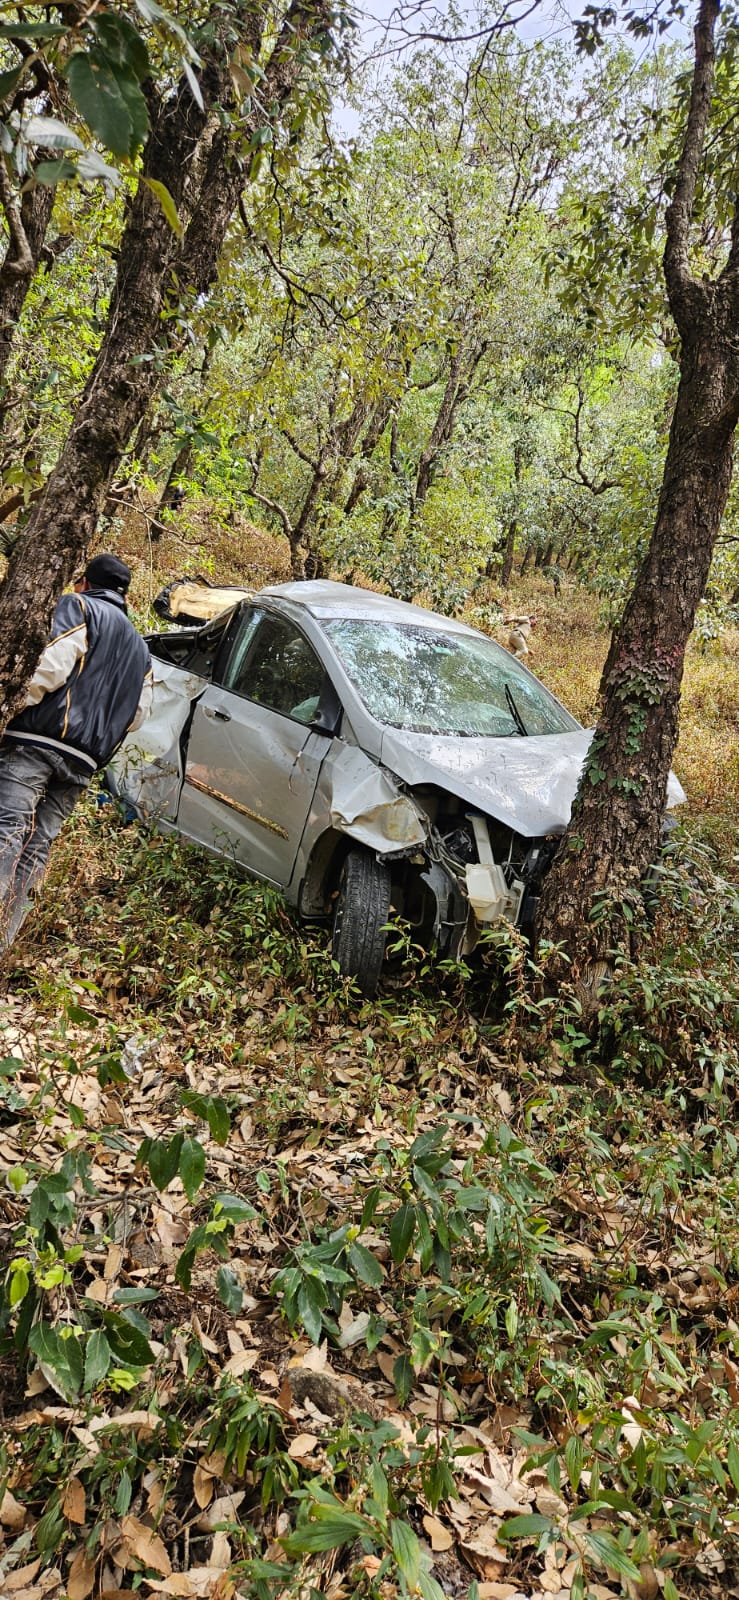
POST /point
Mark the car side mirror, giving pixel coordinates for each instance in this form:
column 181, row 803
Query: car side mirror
column 329, row 713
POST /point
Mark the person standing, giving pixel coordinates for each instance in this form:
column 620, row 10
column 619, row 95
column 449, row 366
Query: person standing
column 92, row 686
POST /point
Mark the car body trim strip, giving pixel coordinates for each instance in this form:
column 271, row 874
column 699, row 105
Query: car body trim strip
column 264, row 822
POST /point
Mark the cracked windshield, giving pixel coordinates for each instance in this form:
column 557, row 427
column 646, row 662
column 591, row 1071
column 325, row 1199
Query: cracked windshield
column 430, row 681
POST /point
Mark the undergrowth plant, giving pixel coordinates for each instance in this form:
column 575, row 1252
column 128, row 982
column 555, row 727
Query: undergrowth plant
column 547, row 1203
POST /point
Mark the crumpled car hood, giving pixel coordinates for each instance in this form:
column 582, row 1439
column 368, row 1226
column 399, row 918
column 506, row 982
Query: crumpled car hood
column 529, row 784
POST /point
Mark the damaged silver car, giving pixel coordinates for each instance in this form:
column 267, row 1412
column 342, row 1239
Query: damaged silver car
column 364, row 755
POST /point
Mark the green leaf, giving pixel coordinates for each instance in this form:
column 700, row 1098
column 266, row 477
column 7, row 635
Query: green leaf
column 191, row 1166
column 218, row 1119
column 198, row 1240
column 123, row 1494
column 209, row 1108
column 526, row 1527
column 403, row 1377
column 112, row 105
column 121, row 42
column 163, row 1160
column 732, row 1462
column 511, row 1320
column 56, row 136
column 167, row 204
column 134, row 1297
column 330, row 1533
column 407, row 1552
column 97, row 1359
column 606, row 1550
column 574, row 1459
column 229, row 1289
column 59, row 1357
column 234, row 1208
column 366, row 1266
column 311, row 1301
column 8, row 80
column 32, row 30
column 91, row 166
column 127, row 1343
column 429, row 1588
column 401, row 1232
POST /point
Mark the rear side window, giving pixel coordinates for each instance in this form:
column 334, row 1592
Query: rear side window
column 277, row 668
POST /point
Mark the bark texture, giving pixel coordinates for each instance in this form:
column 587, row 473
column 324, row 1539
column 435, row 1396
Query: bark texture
column 190, row 151
column 614, row 835
column 19, row 266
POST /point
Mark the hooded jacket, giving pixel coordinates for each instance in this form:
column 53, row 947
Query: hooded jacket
column 93, row 683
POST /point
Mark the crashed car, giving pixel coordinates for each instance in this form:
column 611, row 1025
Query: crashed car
column 364, row 755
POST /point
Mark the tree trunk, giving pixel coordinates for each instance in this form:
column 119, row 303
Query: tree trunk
column 506, row 571
column 442, row 428
column 614, row 834
column 171, row 493
column 193, row 155
column 589, row 895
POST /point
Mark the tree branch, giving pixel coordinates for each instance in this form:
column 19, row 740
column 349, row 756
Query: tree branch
column 23, row 265
column 681, row 285
column 271, row 505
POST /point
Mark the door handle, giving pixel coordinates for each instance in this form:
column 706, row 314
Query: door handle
column 216, row 714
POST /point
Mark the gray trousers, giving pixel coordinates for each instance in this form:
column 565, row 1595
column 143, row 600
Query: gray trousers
column 38, row 790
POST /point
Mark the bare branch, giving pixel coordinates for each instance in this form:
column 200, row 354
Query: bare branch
column 271, row 505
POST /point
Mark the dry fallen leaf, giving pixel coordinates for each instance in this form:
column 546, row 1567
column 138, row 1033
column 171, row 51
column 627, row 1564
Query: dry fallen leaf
column 15, row 1582
column 74, row 1502
column 439, row 1536
column 145, row 1545
column 202, row 1486
column 177, row 1584
column 223, row 1509
column 302, row 1445
column 12, row 1513
column 220, row 1555
column 81, row 1579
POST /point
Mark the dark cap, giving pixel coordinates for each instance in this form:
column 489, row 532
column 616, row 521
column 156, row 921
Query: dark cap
column 108, row 572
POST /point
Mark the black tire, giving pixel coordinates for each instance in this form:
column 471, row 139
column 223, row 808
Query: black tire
column 362, row 911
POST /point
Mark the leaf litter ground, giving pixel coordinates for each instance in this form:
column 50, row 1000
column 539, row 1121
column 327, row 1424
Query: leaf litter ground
column 481, row 1272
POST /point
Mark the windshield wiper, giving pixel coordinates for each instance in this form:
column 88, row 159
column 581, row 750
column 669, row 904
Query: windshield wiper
column 515, row 713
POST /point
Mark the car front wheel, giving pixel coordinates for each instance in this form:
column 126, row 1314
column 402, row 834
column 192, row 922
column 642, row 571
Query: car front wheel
column 360, row 920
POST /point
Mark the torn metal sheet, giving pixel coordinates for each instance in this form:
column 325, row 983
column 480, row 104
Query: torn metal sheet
column 148, row 766
column 366, row 803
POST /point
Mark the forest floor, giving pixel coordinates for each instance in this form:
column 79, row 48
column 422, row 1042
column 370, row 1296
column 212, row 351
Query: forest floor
column 313, row 1294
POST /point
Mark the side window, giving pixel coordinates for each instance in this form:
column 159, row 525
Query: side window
column 235, row 665
column 280, row 671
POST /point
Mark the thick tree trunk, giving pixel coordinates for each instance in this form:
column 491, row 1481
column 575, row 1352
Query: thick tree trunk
column 595, row 882
column 589, row 895
column 194, row 156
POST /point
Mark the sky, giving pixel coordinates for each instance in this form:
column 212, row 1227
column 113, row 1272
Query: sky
column 389, row 29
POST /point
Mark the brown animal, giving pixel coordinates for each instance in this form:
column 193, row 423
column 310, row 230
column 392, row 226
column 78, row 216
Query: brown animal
column 518, row 634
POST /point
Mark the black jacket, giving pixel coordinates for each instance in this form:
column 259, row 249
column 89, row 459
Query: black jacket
column 86, row 713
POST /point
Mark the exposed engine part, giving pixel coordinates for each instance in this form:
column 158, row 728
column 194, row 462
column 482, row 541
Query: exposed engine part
column 460, row 846
column 491, row 895
column 452, row 912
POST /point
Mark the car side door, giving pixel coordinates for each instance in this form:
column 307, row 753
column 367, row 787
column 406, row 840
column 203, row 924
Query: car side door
column 253, row 757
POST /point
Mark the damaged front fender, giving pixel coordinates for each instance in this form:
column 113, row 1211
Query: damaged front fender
column 369, row 805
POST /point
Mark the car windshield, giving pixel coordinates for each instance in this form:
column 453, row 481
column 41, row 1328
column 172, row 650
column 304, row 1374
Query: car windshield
column 430, row 681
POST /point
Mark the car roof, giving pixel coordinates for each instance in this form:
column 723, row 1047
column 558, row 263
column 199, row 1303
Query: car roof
column 326, row 601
